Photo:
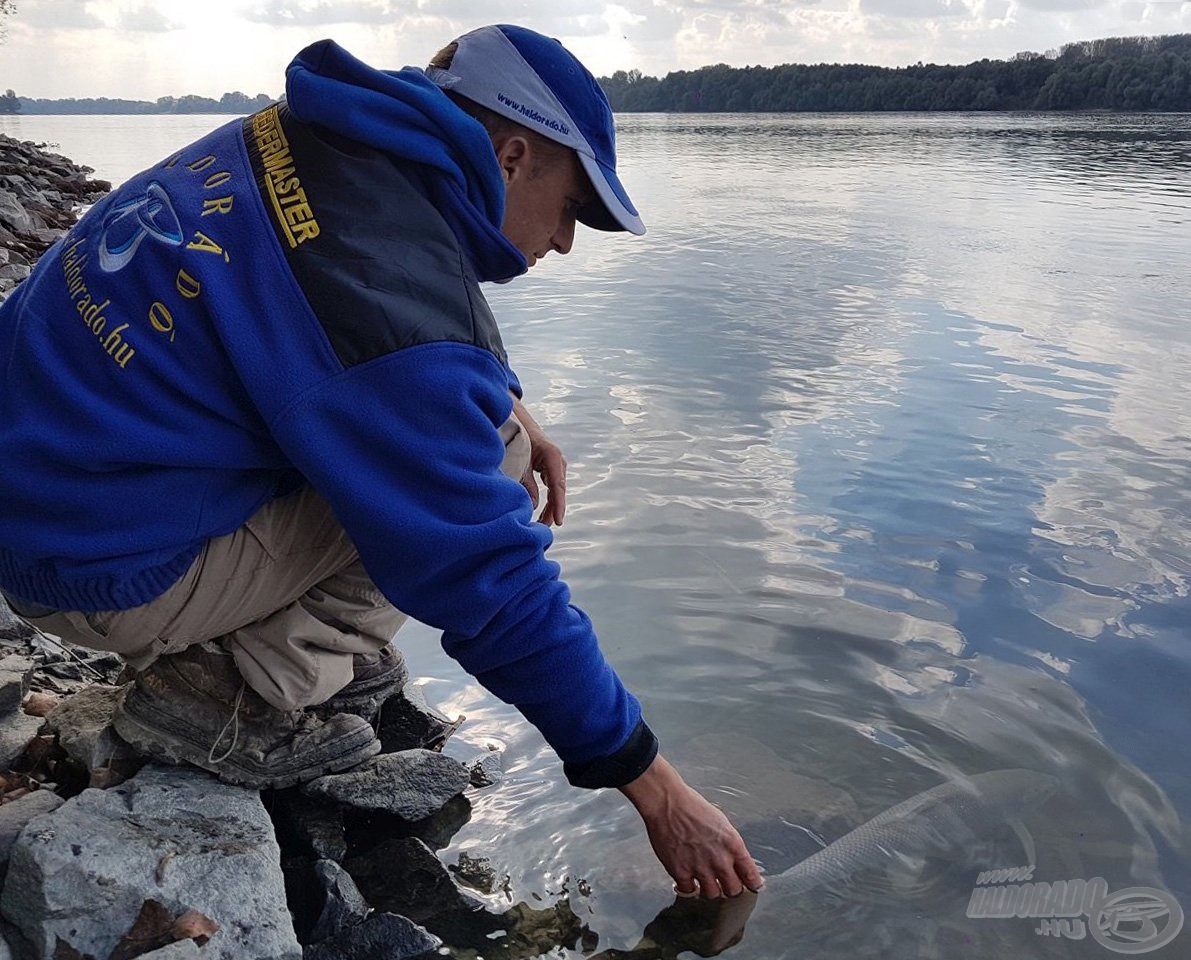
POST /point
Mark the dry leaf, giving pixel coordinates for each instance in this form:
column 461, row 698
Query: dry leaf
column 40, row 704
column 195, row 926
column 152, row 929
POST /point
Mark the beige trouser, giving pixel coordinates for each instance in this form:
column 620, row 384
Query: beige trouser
column 286, row 594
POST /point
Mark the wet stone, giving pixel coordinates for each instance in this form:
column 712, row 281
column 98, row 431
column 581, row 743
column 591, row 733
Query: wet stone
column 383, row 936
column 486, row 770
column 405, row 877
column 407, row 722
column 308, row 826
column 365, row 828
column 343, row 905
column 411, row 784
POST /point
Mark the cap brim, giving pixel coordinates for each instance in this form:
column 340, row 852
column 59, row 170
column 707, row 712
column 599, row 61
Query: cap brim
column 614, row 211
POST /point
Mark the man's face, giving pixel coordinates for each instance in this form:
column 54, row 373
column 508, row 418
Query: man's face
column 542, row 199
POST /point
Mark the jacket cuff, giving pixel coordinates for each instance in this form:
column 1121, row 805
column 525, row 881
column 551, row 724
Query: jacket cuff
column 624, row 766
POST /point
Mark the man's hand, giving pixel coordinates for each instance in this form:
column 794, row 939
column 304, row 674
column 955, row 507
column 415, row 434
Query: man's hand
column 693, row 840
column 546, row 460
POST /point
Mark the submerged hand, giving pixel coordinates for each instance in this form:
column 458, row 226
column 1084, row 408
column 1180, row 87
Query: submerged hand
column 693, row 840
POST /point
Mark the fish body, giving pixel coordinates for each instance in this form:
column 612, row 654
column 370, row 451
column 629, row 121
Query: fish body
column 953, row 816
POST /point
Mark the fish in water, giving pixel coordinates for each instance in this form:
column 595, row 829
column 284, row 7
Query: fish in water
column 952, row 817
column 956, row 817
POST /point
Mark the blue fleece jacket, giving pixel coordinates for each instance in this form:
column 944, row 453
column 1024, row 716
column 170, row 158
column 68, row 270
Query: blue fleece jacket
column 293, row 299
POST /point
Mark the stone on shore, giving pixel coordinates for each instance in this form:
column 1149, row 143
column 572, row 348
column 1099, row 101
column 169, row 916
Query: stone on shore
column 407, row 722
column 383, row 936
column 411, row 784
column 342, row 907
column 405, row 877
column 16, row 815
column 83, row 723
column 178, row 950
column 81, row 875
column 15, row 674
column 39, row 196
column 16, row 733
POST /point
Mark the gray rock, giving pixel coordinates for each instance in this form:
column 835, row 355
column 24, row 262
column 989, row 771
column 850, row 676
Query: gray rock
column 14, row 271
column 16, row 814
column 411, row 784
column 14, row 216
column 175, row 835
column 404, row 876
column 83, row 723
column 383, row 936
column 178, row 950
column 343, row 905
column 15, row 673
column 15, row 733
column 5, row 951
column 13, row 630
column 316, row 827
column 407, row 722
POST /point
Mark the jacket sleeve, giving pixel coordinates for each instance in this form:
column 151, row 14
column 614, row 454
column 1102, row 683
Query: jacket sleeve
column 405, row 448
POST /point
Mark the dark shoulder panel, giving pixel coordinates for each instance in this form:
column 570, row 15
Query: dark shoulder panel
column 379, row 266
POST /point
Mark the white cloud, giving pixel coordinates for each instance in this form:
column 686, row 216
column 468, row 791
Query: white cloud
column 145, row 18
column 61, row 48
column 284, row 13
column 58, row 15
column 1048, row 5
column 914, row 8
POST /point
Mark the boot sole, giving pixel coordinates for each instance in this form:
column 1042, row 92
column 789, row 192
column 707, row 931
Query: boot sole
column 146, row 737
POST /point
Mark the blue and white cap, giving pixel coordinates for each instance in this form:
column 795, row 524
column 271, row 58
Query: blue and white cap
column 537, row 82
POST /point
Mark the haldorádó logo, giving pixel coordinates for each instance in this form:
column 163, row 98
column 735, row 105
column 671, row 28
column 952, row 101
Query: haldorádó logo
column 1127, row 922
column 127, row 224
column 1132, row 921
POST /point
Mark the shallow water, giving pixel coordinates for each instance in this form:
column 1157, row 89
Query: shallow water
column 880, row 446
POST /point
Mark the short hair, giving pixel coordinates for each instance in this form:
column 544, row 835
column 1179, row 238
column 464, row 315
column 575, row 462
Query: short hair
column 549, row 153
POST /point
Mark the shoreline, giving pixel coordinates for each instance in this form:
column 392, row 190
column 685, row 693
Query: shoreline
column 42, row 195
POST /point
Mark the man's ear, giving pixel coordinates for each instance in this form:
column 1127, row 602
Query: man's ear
column 513, row 155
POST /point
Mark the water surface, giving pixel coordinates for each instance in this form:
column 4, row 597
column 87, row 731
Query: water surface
column 880, row 452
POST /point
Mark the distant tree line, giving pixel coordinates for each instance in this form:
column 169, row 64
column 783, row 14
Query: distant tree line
column 235, row 102
column 1118, row 73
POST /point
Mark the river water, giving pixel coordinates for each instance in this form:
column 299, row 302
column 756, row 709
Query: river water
column 880, row 475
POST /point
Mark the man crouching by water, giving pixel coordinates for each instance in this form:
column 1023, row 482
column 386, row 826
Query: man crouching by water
column 256, row 411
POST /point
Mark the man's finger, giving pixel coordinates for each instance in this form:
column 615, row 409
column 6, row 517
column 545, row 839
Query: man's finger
column 746, row 869
column 531, row 487
column 731, row 884
column 709, row 886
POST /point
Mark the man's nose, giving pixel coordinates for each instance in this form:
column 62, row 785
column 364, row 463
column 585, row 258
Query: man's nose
column 564, row 237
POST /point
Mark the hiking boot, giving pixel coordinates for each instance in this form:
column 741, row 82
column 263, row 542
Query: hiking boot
column 377, row 676
column 194, row 707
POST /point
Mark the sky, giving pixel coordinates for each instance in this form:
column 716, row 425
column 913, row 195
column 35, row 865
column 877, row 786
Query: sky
column 144, row 49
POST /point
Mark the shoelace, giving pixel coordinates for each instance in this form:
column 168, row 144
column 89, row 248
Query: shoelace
column 233, row 721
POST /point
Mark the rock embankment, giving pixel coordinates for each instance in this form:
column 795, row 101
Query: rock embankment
column 41, row 194
column 105, row 857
